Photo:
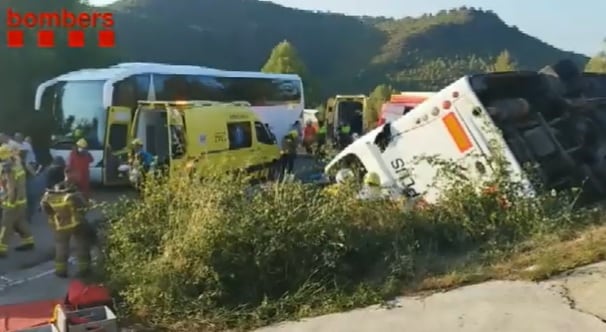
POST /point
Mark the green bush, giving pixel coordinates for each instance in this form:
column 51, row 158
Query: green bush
column 216, row 253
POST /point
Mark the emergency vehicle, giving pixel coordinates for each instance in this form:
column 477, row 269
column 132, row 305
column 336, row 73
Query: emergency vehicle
column 348, row 109
column 204, row 135
column 79, row 103
column 401, row 104
column 533, row 118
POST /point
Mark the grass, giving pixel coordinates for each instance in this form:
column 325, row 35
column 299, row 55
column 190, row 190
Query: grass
column 214, row 254
column 534, row 260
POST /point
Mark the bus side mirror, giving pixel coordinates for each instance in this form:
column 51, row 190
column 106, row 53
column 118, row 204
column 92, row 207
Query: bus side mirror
column 384, row 137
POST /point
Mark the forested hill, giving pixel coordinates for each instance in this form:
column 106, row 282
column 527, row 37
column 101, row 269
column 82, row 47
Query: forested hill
column 343, row 53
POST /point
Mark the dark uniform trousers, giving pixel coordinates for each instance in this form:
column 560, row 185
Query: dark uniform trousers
column 66, row 216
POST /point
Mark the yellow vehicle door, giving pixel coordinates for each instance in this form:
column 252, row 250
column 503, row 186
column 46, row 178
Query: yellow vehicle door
column 119, row 121
column 207, row 141
column 177, row 141
column 266, row 150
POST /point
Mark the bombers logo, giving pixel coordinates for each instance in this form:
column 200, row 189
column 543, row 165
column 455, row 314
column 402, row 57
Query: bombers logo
column 47, row 24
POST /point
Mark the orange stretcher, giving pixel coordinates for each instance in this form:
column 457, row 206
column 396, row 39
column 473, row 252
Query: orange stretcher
column 14, row 317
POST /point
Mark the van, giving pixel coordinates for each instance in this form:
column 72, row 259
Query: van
column 199, row 134
column 400, row 105
column 348, row 109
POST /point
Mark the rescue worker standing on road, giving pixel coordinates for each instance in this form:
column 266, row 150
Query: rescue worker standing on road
column 289, row 153
column 12, row 180
column 372, row 187
column 321, row 137
column 79, row 161
column 66, row 209
column 309, row 136
column 344, row 135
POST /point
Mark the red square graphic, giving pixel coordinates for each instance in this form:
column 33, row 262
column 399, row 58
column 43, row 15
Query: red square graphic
column 14, row 38
column 75, row 38
column 106, row 38
column 46, row 38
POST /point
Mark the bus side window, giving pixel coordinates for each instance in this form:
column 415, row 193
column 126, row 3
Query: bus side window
column 125, row 93
column 240, row 135
column 263, row 135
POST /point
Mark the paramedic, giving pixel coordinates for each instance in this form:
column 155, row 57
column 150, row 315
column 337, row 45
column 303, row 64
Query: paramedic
column 66, row 209
column 344, row 135
column 309, row 135
column 144, row 158
column 321, row 136
column 79, row 163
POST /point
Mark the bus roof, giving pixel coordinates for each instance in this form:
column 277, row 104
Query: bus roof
column 122, row 70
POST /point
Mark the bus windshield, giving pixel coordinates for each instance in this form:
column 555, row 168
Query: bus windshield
column 79, row 112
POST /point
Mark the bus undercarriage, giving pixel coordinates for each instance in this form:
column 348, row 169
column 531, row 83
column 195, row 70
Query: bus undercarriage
column 553, row 121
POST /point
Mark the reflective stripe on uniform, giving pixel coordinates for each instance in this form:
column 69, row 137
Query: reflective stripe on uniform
column 19, row 174
column 60, row 205
column 17, row 204
column 60, row 266
column 28, row 240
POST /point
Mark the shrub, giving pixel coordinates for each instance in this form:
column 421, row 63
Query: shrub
column 216, row 253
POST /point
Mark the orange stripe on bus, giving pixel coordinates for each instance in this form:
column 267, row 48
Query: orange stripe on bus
column 456, row 131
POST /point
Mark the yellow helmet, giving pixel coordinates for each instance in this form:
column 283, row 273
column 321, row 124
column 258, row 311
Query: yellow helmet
column 372, row 179
column 137, row 142
column 81, row 143
column 6, row 152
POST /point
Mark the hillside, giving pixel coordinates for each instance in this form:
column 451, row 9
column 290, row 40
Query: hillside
column 344, row 53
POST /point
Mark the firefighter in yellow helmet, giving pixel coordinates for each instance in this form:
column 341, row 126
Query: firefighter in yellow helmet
column 66, row 209
column 372, row 187
column 343, row 177
column 12, row 181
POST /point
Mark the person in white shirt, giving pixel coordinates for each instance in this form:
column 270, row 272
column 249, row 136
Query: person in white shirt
column 26, row 145
column 6, row 139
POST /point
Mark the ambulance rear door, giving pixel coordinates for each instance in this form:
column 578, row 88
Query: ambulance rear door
column 119, row 121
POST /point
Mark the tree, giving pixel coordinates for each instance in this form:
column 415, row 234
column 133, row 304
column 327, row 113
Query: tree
column 285, row 60
column 597, row 64
column 377, row 97
column 504, row 62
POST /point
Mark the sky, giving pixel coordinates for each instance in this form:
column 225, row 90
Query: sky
column 577, row 25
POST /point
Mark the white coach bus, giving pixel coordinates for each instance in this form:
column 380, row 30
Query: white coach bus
column 82, row 102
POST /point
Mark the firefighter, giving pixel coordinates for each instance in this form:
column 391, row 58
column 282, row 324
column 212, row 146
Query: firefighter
column 66, row 207
column 342, row 179
column 12, row 179
column 289, row 153
column 372, row 187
